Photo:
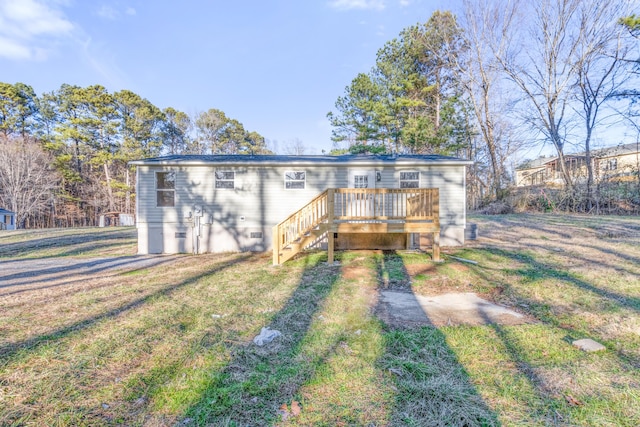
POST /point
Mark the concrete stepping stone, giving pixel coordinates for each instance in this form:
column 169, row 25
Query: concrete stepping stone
column 443, row 310
column 589, row 345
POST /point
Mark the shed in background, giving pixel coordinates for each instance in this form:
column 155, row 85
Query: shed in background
column 7, row 219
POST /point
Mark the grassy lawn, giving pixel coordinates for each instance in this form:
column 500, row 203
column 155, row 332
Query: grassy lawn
column 172, row 344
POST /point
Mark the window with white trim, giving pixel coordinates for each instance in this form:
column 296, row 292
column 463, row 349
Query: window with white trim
column 225, row 179
column 409, row 179
column 360, row 181
column 295, row 180
column 165, row 189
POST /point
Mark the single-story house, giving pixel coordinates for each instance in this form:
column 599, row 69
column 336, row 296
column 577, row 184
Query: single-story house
column 547, row 170
column 7, row 220
column 618, row 162
column 218, row 203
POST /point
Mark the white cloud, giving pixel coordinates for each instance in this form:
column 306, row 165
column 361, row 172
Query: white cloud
column 357, row 4
column 111, row 13
column 107, row 12
column 12, row 50
column 28, row 27
column 405, row 3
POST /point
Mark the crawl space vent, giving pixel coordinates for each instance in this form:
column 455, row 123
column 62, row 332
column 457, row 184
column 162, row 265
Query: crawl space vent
column 181, row 234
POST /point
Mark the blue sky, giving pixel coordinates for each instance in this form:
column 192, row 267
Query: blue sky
column 277, row 66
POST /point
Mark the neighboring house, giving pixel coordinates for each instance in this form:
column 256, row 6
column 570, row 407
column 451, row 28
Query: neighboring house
column 546, row 170
column 223, row 203
column 7, row 220
column 616, row 162
column 619, row 162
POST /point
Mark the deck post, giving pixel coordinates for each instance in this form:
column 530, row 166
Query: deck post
column 436, row 246
column 276, row 245
column 330, row 215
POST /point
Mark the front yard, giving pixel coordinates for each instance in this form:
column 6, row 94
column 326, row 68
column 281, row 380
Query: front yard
column 170, row 342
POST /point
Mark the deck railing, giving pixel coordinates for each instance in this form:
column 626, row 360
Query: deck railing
column 385, row 204
column 301, row 222
column 357, row 205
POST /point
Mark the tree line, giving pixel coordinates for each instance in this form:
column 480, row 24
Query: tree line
column 64, row 154
column 480, row 83
column 497, row 76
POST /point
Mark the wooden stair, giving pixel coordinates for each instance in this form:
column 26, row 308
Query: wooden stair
column 301, row 229
column 311, row 237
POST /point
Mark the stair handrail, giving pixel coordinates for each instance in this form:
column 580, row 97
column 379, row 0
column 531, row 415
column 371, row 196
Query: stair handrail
column 296, row 225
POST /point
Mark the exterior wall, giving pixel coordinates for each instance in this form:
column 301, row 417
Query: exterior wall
column 7, row 221
column 234, row 218
column 525, row 177
column 625, row 164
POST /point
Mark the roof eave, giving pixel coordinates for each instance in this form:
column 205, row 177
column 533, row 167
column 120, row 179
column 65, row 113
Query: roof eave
column 368, row 162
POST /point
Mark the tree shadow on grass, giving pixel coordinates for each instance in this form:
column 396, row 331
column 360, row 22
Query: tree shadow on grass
column 25, row 347
column 51, row 270
column 258, row 380
column 547, row 403
column 434, row 389
column 544, row 310
column 96, row 240
column 540, row 270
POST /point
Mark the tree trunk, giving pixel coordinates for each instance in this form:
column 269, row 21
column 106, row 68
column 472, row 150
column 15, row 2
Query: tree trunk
column 127, row 201
column 107, row 175
column 589, row 201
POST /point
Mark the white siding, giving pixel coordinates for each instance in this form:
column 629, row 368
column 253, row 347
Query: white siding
column 259, row 201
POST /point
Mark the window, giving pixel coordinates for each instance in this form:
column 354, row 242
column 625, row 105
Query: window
column 409, row 179
column 609, row 164
column 295, row 180
column 165, row 188
column 360, row 181
column 225, row 179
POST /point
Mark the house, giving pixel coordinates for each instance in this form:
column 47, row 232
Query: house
column 617, row 162
column 7, row 220
column 218, row 203
column 546, row 170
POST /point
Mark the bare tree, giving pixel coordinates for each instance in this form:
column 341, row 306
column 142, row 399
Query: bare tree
column 27, row 179
column 295, row 147
column 542, row 64
column 480, row 74
column 602, row 67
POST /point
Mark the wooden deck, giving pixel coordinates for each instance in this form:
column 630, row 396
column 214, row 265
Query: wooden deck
column 358, row 210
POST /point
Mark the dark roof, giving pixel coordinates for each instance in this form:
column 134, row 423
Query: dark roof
column 616, row 150
column 268, row 160
column 535, row 163
column 5, row 211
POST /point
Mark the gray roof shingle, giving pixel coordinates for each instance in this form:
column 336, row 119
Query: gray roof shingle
column 301, row 160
